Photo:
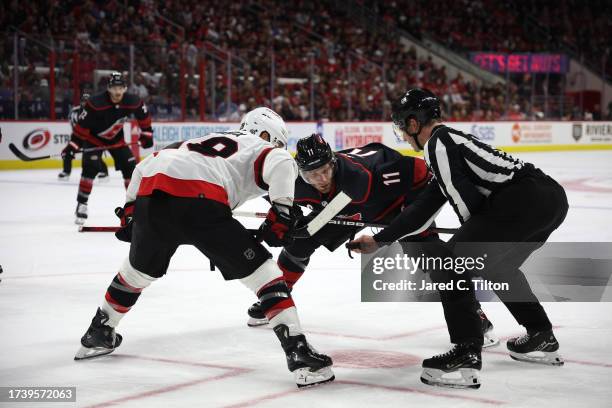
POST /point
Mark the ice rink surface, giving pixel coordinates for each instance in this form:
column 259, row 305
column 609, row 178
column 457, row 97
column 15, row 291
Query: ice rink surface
column 186, row 342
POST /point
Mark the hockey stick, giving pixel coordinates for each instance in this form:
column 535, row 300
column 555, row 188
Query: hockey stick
column 323, row 218
column 83, row 228
column 346, row 222
column 332, row 209
column 23, row 157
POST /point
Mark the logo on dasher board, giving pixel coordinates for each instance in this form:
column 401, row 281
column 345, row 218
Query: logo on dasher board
column 249, row 254
column 483, row 132
column 36, row 139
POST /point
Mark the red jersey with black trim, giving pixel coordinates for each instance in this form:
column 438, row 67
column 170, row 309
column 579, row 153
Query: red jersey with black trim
column 379, row 180
column 100, row 122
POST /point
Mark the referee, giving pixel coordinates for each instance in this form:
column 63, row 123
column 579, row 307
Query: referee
column 497, row 198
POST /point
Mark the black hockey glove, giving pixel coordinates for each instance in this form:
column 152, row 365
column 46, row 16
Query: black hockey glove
column 277, row 229
column 146, row 138
column 70, row 150
column 126, row 216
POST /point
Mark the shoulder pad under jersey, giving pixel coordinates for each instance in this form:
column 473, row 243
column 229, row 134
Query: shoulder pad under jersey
column 98, row 100
column 130, row 100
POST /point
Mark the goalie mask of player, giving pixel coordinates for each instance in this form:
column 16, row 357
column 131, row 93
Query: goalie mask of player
column 261, row 120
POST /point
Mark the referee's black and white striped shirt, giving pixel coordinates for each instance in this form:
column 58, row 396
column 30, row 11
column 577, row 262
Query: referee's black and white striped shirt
column 466, row 171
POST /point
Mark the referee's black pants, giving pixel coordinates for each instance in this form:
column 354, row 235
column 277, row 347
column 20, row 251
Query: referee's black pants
column 526, row 212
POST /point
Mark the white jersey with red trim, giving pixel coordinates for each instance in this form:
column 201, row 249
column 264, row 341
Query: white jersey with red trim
column 229, row 167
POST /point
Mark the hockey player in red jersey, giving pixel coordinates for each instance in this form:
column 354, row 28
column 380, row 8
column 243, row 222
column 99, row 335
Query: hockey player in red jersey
column 184, row 195
column 100, row 124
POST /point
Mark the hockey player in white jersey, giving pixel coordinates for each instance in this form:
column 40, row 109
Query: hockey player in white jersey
column 184, row 194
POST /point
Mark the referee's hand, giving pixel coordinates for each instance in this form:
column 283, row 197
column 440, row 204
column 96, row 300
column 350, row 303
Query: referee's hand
column 365, row 244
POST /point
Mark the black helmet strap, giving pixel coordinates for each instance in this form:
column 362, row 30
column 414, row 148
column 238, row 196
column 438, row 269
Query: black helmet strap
column 414, row 136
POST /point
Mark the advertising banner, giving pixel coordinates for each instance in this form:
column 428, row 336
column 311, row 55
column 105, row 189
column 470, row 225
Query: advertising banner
column 48, row 138
column 521, row 62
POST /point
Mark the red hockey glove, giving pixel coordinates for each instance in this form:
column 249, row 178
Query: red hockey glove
column 126, row 216
column 278, row 227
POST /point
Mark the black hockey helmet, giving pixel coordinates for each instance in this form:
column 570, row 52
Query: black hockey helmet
column 419, row 104
column 116, row 79
column 313, row 152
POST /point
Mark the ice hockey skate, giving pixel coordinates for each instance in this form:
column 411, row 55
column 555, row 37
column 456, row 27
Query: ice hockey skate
column 99, row 339
column 536, row 347
column 63, row 176
column 457, row 368
column 256, row 315
column 490, row 340
column 81, row 214
column 308, row 367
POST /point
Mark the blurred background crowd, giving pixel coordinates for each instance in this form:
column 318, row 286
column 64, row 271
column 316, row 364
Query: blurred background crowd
column 325, row 60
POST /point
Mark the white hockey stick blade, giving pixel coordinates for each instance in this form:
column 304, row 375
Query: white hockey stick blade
column 332, row 209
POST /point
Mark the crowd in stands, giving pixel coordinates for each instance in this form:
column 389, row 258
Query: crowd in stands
column 297, row 57
column 582, row 27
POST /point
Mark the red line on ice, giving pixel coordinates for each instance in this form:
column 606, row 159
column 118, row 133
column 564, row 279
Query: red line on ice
column 181, row 362
column 164, row 390
column 583, row 185
column 233, row 372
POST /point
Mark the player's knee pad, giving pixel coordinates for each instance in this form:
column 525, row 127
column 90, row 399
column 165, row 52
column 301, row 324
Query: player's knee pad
column 262, row 276
column 134, row 277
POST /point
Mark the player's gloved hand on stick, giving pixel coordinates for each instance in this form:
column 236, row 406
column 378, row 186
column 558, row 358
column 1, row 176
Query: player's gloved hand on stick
column 300, row 220
column 70, row 150
column 126, row 215
column 146, row 138
column 279, row 225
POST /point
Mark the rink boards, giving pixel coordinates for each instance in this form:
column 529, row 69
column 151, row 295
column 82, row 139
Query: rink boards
column 38, row 138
